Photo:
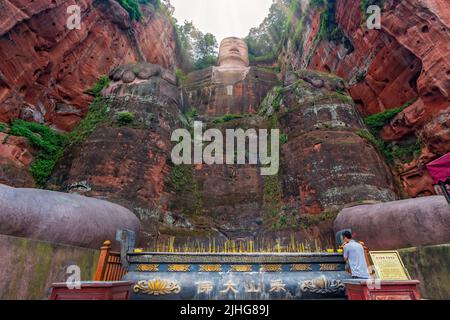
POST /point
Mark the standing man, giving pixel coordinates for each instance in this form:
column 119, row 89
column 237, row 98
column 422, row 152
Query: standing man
column 354, row 256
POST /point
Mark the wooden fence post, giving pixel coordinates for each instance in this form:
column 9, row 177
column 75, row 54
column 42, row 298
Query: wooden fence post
column 102, row 261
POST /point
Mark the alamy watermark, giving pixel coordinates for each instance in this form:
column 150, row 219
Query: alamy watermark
column 74, row 279
column 74, row 20
column 190, row 149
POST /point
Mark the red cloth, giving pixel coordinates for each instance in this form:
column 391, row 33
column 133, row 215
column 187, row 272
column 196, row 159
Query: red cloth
column 439, row 169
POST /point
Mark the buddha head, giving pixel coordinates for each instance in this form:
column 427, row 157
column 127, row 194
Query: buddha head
column 233, row 52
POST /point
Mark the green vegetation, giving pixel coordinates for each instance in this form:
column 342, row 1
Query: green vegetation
column 227, row 117
column 205, row 62
column 49, row 143
column 341, row 91
column 403, row 151
column 97, row 113
column 284, row 138
column 181, row 177
column 181, row 76
column 197, row 50
column 360, row 77
column 317, row 3
column 263, row 41
column 377, row 121
column 102, row 83
column 276, row 103
column 364, row 4
column 2, row 127
column 308, row 221
column 272, row 198
column 125, row 117
column 132, row 7
column 189, row 197
column 192, row 114
column 329, row 28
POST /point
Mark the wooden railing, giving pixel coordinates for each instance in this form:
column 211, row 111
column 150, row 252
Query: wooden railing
column 109, row 267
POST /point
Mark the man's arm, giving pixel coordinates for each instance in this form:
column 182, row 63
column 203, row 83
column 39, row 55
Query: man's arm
column 347, row 265
column 345, row 253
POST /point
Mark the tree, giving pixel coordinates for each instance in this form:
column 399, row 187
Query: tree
column 205, row 45
column 205, row 51
column 263, row 41
column 198, row 50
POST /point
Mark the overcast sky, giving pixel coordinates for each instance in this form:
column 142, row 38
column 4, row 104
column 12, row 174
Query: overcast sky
column 223, row 18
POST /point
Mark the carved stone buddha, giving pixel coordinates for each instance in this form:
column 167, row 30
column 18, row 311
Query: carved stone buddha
column 233, row 53
column 232, row 86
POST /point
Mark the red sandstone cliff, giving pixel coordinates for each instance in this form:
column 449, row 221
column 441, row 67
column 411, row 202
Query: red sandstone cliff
column 45, row 68
column 409, row 58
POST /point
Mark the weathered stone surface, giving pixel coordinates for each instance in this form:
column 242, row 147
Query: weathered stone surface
column 128, row 163
column 399, row 224
column 60, row 217
column 414, row 176
column 407, row 59
column 332, row 168
column 325, row 163
column 29, row 267
column 16, row 156
column 214, row 92
column 232, row 199
column 47, row 68
column 429, row 264
column 233, row 53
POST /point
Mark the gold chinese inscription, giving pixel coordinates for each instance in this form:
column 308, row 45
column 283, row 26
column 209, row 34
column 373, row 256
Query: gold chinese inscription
column 271, row 267
column 301, row 267
column 204, row 287
column 241, row 268
column 277, row 286
column 179, row 267
column 157, row 287
column 329, row 267
column 252, row 288
column 148, row 267
column 229, row 287
column 210, row 268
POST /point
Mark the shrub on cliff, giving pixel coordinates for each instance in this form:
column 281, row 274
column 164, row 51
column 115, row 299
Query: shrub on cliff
column 49, row 143
column 102, row 83
column 402, row 151
column 377, row 121
column 132, row 8
column 227, row 117
column 125, row 117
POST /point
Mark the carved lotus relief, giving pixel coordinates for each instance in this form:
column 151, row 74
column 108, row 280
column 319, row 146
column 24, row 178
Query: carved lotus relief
column 322, row 285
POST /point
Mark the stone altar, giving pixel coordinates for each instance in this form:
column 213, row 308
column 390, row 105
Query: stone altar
column 236, row 276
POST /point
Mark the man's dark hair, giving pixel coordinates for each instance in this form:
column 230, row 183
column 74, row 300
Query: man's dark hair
column 347, row 234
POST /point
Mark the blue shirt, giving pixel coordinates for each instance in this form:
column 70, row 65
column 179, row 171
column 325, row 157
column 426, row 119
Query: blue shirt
column 354, row 252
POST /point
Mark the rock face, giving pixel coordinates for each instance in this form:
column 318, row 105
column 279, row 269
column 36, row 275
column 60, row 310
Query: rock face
column 127, row 161
column 327, row 158
column 61, row 218
column 214, row 92
column 326, row 163
column 46, row 69
column 399, row 224
column 407, row 59
column 16, row 156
